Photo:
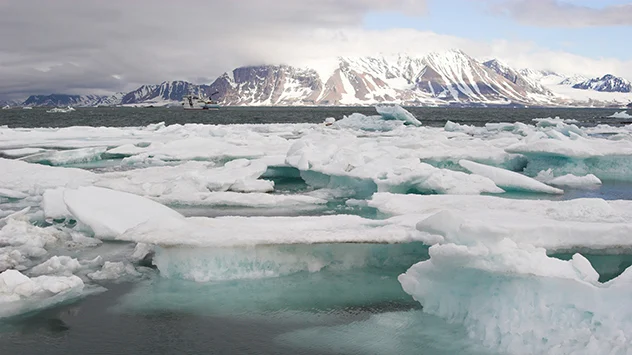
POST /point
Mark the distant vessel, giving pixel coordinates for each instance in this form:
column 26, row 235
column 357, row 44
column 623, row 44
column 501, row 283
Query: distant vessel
column 6, row 107
column 61, row 110
column 199, row 102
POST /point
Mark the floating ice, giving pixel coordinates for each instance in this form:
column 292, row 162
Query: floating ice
column 20, row 152
column 517, row 300
column 114, row 271
column 34, row 178
column 622, row 114
column 57, row 265
column 110, row 213
column 64, row 157
column 191, row 181
column 351, row 163
column 12, row 194
column 367, row 123
column 19, row 294
column 253, row 199
column 396, row 112
column 248, row 231
column 509, row 180
column 569, row 180
column 578, row 224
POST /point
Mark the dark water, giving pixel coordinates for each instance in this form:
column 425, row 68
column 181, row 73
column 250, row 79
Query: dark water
column 435, row 117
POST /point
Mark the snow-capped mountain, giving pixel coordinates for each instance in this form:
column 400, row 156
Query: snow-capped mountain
column 267, row 85
column 163, row 93
column 529, row 81
column 607, row 83
column 60, row 100
column 438, row 78
column 445, row 78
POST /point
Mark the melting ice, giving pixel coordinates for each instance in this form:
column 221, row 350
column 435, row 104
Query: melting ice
column 468, row 216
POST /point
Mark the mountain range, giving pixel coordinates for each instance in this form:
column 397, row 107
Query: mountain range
column 437, row 79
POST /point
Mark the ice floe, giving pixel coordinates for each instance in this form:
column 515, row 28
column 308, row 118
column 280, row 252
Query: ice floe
column 515, row 299
column 508, row 180
column 579, row 224
column 109, row 213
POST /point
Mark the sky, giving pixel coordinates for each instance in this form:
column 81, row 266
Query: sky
column 105, row 46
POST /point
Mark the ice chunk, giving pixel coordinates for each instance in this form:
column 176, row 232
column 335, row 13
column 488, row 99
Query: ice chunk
column 581, row 224
column 20, row 294
column 367, row 123
column 35, row 178
column 64, row 157
column 508, row 180
column 245, row 231
column 12, row 194
column 114, row 271
column 329, row 121
column 20, row 152
column 53, row 204
column 570, row 180
column 141, row 251
column 252, row 199
column 190, row 182
column 110, row 213
column 396, row 112
column 56, row 265
column 573, row 147
column 621, row 114
column 515, row 299
column 358, row 165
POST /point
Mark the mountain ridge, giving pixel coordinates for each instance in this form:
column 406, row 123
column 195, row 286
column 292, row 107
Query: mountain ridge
column 438, row 79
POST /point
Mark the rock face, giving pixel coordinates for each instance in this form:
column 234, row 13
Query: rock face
column 71, row 100
column 607, row 83
column 166, row 92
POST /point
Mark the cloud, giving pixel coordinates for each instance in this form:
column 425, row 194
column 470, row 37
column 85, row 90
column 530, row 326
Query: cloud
column 71, row 45
column 75, row 46
column 553, row 13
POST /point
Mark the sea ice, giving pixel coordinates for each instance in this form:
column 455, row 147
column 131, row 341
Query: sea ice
column 110, row 213
column 56, row 265
column 345, row 161
column 19, row 294
column 622, row 114
column 33, row 179
column 12, row 194
column 515, row 299
column 396, row 112
column 509, row 180
column 64, row 157
column 578, row 224
column 114, row 271
column 569, row 180
column 249, row 231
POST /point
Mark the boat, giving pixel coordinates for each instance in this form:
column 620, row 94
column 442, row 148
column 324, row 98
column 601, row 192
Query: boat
column 61, row 110
column 199, row 102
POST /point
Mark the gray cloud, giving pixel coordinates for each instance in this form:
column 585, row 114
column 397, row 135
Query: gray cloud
column 75, row 45
column 553, row 13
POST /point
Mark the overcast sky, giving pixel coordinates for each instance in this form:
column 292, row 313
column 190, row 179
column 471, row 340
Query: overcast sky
column 104, row 46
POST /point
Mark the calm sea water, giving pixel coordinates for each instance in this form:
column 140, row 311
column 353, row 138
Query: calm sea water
column 118, row 117
column 360, row 311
